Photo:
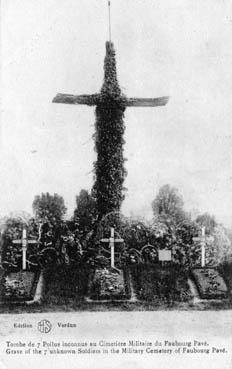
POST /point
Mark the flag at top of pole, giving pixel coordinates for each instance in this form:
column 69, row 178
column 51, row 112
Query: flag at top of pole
column 109, row 21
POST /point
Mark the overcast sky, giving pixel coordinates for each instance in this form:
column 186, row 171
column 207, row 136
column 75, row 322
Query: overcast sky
column 180, row 48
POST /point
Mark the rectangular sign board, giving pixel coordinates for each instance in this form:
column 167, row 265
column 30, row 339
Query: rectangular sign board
column 165, row 255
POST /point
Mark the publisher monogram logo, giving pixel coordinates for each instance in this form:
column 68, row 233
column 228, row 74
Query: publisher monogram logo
column 44, row 326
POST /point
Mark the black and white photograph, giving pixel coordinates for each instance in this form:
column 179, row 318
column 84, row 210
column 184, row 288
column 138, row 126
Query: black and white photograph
column 116, row 184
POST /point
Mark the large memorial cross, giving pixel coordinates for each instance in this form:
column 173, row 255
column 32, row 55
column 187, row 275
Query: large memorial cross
column 110, row 106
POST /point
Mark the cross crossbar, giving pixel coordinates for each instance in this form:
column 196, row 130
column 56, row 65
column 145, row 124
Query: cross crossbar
column 27, row 241
column 92, row 100
column 147, row 102
column 76, row 99
column 115, row 240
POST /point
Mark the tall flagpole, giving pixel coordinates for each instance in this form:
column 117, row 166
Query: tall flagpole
column 109, row 21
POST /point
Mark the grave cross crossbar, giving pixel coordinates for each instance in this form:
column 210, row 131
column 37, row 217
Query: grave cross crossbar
column 24, row 241
column 111, row 241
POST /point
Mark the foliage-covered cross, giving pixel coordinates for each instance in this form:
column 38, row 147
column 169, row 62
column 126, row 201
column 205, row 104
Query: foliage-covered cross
column 110, row 106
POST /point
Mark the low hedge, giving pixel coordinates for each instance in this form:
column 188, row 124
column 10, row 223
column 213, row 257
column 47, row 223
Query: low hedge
column 161, row 284
column 65, row 284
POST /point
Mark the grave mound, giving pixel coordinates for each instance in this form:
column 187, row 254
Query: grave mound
column 210, row 283
column 19, row 286
column 109, row 284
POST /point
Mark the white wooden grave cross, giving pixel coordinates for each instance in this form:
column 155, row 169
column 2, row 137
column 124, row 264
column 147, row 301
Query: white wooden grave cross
column 24, row 241
column 202, row 240
column 111, row 242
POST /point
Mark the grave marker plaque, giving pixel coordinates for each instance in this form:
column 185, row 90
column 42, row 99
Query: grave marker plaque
column 165, row 255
